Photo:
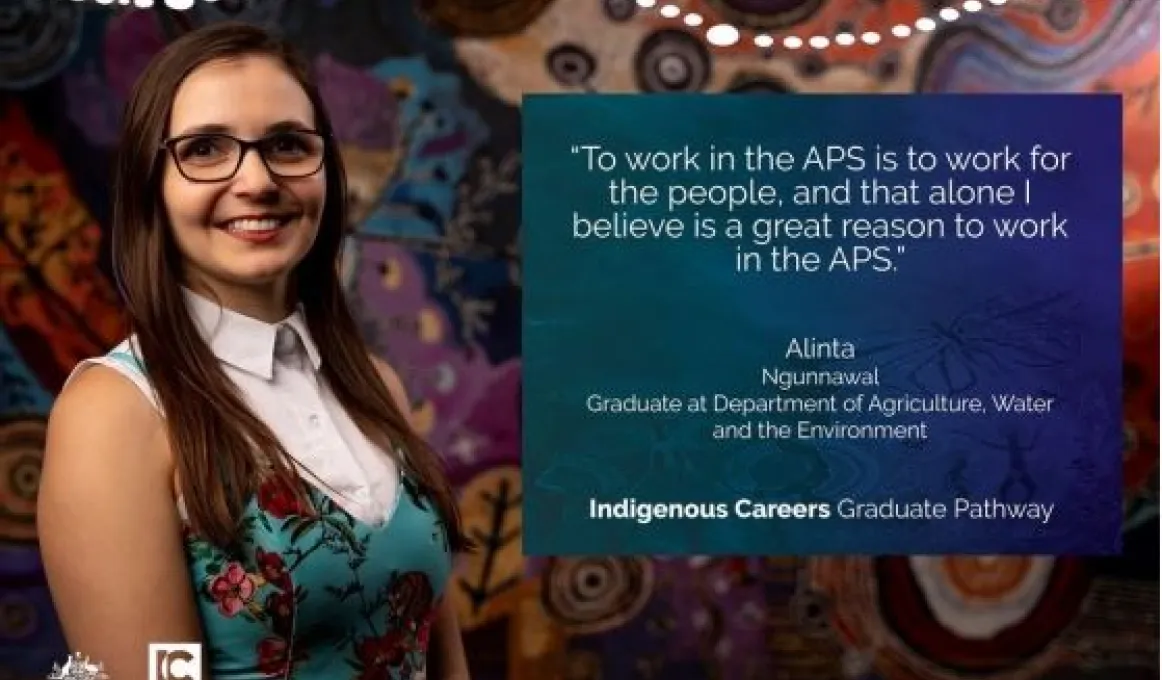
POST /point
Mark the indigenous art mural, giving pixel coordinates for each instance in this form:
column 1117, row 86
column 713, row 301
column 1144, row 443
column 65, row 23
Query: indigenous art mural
column 427, row 96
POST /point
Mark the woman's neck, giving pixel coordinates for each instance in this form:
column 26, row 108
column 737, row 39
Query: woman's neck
column 269, row 303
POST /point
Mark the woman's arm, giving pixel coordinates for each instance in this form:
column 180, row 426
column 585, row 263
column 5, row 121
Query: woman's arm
column 108, row 527
column 447, row 645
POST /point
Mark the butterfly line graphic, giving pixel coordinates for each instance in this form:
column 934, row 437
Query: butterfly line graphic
column 951, row 356
column 1019, row 485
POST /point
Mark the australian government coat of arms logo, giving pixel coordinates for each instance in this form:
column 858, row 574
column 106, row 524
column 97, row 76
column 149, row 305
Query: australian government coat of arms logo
column 77, row 667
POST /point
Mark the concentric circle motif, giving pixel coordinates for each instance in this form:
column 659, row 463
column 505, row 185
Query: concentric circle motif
column 1064, row 15
column 37, row 39
column 596, row 594
column 979, row 614
column 619, row 10
column 765, row 15
column 570, row 64
column 21, row 453
column 672, row 61
column 947, row 617
column 481, row 18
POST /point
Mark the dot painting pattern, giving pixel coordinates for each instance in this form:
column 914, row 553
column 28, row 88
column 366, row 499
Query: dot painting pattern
column 728, row 35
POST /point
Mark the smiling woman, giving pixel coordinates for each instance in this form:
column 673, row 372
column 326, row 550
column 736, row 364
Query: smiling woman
column 194, row 474
column 264, row 208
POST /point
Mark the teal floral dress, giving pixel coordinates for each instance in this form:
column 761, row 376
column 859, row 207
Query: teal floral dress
column 318, row 596
column 322, row 597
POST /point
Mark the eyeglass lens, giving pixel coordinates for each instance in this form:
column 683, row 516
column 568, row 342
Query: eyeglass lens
column 216, row 157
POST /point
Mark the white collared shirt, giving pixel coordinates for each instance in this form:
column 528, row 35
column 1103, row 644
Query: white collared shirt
column 276, row 369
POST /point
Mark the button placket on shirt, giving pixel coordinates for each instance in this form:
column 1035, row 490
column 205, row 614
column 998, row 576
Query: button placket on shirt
column 328, row 454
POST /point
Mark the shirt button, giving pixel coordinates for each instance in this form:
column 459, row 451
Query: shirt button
column 285, row 341
column 314, row 420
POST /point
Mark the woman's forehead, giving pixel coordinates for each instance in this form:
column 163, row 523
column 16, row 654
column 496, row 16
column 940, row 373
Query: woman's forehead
column 244, row 96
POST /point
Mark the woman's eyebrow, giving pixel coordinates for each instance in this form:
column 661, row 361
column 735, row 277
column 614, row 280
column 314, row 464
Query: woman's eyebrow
column 219, row 129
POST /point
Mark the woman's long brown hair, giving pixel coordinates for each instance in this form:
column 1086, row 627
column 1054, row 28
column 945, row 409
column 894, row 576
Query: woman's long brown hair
column 222, row 450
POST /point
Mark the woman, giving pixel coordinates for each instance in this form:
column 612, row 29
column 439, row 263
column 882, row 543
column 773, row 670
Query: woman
column 282, row 513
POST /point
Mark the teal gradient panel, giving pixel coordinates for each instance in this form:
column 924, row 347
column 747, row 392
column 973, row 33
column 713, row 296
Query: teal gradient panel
column 949, row 319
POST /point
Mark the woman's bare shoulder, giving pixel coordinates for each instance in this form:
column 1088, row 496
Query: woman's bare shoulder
column 102, row 424
column 110, row 534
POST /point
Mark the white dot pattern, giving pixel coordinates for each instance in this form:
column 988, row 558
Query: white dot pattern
column 727, row 35
column 721, row 35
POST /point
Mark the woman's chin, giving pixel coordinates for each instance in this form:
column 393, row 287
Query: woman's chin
column 261, row 265
column 258, row 270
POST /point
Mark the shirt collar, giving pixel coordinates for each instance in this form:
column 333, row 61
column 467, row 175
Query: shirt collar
column 245, row 342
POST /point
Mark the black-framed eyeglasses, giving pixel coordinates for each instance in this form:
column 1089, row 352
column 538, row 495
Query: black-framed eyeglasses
column 216, row 157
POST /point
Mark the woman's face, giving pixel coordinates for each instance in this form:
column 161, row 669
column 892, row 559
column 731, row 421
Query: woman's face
column 252, row 228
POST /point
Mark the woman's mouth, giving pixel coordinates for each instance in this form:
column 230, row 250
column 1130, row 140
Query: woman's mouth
column 257, row 224
column 257, row 229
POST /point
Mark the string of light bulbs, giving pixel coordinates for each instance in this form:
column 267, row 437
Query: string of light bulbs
column 724, row 34
column 179, row 5
column 728, row 35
